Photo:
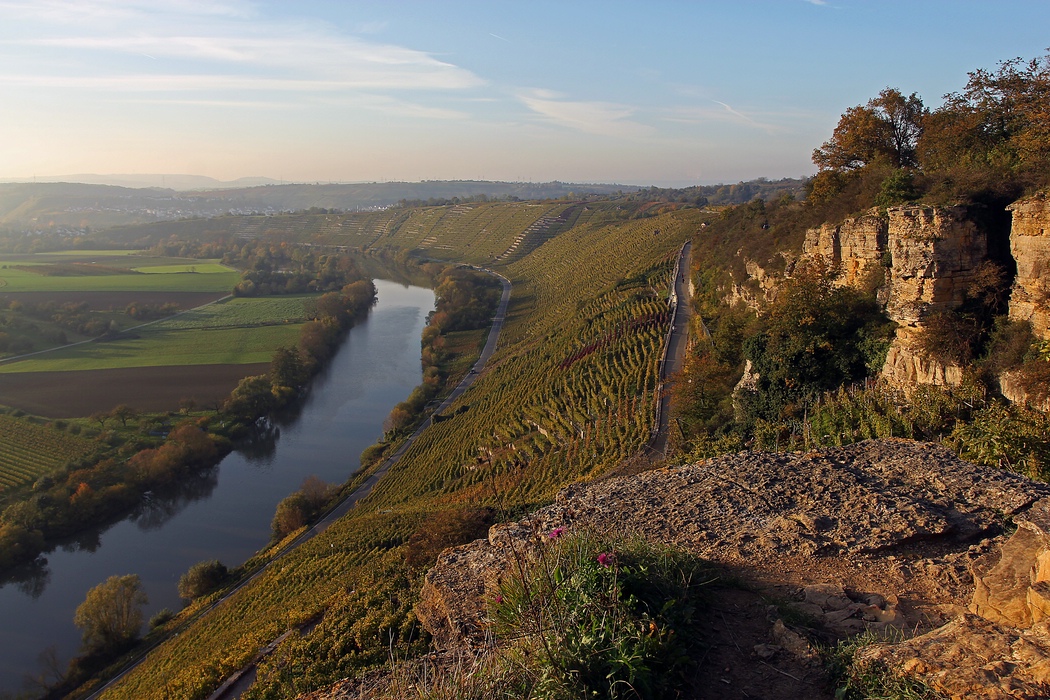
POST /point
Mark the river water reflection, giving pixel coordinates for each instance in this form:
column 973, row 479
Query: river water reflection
column 225, row 512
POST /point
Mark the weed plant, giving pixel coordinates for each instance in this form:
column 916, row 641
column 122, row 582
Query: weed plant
column 854, row 680
column 595, row 618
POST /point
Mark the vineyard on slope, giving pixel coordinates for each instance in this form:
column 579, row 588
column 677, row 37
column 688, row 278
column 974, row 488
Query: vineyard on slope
column 568, row 395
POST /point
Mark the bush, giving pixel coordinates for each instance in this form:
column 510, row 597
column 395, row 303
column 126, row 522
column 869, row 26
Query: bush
column 160, row 618
column 446, row 529
column 201, row 579
column 593, row 618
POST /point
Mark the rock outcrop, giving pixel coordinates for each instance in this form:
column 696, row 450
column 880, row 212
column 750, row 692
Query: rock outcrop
column 877, row 536
column 929, row 256
column 1030, row 248
column 855, row 248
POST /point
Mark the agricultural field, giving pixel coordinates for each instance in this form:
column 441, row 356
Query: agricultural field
column 113, row 275
column 75, row 394
column 569, row 394
column 165, row 348
column 204, row 352
column 240, row 313
column 236, row 332
column 28, row 451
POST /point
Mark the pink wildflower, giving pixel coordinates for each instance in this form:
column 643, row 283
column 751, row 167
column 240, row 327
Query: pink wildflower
column 499, row 599
column 606, row 559
column 556, row 533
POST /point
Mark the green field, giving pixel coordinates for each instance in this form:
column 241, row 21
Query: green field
column 239, row 312
column 94, row 271
column 28, row 451
column 236, row 331
column 12, row 280
column 202, row 268
column 221, row 346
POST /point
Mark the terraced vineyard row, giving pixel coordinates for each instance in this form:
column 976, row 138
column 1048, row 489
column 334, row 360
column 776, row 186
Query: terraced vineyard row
column 568, row 394
column 28, row 451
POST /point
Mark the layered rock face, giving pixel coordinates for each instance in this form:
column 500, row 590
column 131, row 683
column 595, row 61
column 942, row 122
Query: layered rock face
column 930, row 255
column 1030, row 247
column 934, row 254
column 855, row 247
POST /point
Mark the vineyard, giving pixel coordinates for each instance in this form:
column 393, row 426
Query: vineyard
column 28, row 451
column 568, row 395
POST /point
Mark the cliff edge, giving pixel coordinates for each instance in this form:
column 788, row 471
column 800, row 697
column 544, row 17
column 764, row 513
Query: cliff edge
column 898, row 538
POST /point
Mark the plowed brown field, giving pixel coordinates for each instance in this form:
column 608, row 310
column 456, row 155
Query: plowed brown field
column 75, row 394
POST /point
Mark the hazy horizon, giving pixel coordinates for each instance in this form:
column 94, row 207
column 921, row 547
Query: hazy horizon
column 586, row 92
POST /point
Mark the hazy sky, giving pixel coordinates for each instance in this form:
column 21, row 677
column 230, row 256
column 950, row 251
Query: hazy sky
column 639, row 93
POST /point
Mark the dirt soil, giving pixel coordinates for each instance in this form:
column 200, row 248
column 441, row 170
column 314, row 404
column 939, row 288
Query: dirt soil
column 81, row 393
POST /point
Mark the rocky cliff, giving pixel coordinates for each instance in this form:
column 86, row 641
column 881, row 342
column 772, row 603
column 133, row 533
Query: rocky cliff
column 930, row 256
column 1030, row 248
column 856, row 247
column 883, row 535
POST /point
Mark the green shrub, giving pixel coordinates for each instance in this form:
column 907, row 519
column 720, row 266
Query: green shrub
column 160, row 617
column 201, row 579
column 598, row 619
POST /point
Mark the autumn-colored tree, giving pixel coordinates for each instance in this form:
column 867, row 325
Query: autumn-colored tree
column 1001, row 120
column 111, row 614
column 886, row 129
column 202, row 578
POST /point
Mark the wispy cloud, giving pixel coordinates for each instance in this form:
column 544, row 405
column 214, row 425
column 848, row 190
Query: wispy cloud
column 602, row 118
column 725, row 113
column 203, row 44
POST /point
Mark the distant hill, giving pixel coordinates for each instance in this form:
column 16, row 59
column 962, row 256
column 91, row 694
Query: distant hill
column 79, row 206
column 165, row 181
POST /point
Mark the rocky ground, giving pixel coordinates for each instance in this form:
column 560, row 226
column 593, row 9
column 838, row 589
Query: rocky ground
column 898, row 538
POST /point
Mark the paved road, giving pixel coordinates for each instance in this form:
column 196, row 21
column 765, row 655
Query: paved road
column 236, row 684
column 679, row 340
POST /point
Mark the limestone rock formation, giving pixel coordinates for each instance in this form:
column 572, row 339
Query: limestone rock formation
column 1030, row 247
column 971, row 657
column 777, row 518
column 855, row 247
column 1014, row 588
column 930, row 256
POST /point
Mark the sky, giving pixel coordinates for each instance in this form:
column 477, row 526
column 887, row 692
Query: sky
column 664, row 92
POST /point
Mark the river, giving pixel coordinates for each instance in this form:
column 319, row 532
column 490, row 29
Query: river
column 225, row 513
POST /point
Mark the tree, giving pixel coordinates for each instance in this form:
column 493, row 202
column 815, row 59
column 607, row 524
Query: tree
column 287, row 370
column 292, row 513
column 886, row 129
column 815, row 336
column 111, row 614
column 202, row 578
column 1001, row 120
column 123, row 412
